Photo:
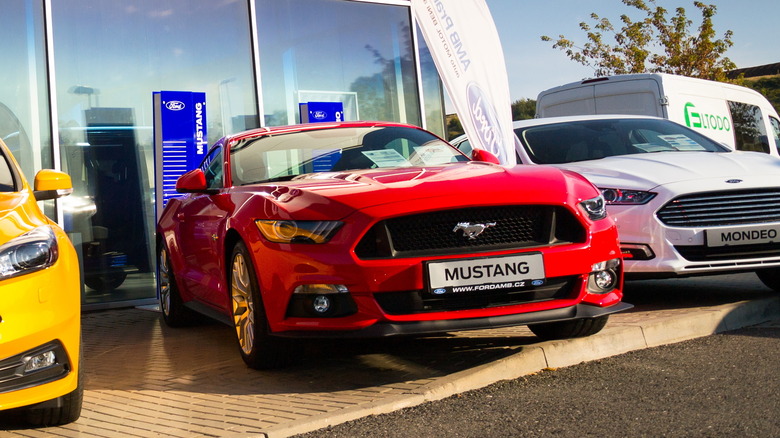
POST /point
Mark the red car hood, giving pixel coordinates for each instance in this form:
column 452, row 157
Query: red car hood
column 336, row 195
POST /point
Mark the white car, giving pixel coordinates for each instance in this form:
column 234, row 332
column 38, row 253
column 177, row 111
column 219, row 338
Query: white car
column 684, row 204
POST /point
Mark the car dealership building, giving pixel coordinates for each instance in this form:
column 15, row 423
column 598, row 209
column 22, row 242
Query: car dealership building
column 78, row 78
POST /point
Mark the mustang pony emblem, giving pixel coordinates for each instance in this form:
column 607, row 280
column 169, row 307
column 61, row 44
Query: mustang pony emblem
column 472, row 230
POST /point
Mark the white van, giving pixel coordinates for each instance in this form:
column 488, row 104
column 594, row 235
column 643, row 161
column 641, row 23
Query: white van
column 739, row 117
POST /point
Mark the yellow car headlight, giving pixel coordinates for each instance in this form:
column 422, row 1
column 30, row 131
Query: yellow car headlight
column 287, row 231
column 30, row 252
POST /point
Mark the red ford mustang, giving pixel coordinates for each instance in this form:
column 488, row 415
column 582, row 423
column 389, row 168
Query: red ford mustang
column 376, row 229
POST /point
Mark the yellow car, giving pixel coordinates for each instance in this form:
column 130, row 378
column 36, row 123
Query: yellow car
column 40, row 302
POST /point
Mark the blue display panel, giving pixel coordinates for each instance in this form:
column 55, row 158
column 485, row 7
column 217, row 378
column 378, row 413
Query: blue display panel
column 180, row 140
column 312, row 112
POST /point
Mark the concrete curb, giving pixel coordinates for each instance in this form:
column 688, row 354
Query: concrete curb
column 611, row 341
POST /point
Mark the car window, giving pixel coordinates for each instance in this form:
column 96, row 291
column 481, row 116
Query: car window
column 6, row 174
column 465, row 146
column 212, row 167
column 287, row 155
column 749, row 131
column 775, row 129
column 572, row 141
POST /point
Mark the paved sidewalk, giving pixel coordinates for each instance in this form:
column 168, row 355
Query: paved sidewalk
column 147, row 380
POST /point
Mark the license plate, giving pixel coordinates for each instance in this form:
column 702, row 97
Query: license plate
column 485, row 274
column 746, row 235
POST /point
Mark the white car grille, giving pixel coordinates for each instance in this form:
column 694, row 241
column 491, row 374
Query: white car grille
column 722, row 208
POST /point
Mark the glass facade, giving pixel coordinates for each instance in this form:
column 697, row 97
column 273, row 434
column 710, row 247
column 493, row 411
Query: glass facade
column 104, row 60
column 24, row 93
column 360, row 54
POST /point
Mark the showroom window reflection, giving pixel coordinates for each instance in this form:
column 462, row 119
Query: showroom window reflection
column 24, row 108
column 110, row 57
column 360, row 54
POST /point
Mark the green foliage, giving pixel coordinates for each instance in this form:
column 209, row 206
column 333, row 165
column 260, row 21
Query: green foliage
column 769, row 86
column 454, row 127
column 523, row 109
column 653, row 44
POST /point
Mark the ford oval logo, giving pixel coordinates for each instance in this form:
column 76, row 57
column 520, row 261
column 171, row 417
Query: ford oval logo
column 734, row 181
column 319, row 115
column 174, row 105
column 439, row 291
column 485, row 120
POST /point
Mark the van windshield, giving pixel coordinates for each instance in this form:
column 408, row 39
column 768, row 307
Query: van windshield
column 569, row 141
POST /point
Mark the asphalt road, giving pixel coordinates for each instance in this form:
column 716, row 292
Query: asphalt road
column 724, row 385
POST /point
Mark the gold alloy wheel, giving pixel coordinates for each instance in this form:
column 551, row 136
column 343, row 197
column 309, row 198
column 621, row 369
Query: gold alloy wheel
column 165, row 283
column 243, row 303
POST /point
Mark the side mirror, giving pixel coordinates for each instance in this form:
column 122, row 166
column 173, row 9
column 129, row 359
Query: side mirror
column 483, row 155
column 51, row 184
column 191, row 182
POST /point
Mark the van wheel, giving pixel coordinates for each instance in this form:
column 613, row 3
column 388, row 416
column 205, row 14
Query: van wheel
column 574, row 328
column 770, row 277
column 258, row 348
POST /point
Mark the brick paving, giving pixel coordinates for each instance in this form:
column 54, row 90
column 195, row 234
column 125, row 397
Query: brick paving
column 145, row 379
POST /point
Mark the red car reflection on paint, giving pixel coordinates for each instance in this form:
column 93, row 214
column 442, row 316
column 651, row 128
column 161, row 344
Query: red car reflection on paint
column 370, row 229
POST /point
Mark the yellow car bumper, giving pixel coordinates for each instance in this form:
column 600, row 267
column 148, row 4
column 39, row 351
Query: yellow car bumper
column 41, row 311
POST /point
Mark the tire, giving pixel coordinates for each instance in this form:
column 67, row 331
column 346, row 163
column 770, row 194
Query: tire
column 105, row 282
column 770, row 277
column 258, row 348
column 574, row 328
column 174, row 313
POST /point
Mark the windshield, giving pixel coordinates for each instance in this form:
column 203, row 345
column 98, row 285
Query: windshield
column 287, row 155
column 566, row 142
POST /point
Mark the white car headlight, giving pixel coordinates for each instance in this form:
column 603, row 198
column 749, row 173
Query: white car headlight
column 298, row 231
column 30, row 252
column 595, row 208
column 626, row 197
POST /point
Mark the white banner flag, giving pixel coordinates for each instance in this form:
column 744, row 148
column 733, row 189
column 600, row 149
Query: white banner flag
column 467, row 52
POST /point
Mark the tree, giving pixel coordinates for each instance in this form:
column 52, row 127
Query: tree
column 654, row 44
column 523, row 109
column 769, row 86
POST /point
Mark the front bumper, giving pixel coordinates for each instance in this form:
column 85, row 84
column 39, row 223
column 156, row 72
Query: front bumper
column 384, row 329
column 38, row 310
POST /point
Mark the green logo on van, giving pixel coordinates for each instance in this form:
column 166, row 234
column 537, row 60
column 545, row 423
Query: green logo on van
column 695, row 119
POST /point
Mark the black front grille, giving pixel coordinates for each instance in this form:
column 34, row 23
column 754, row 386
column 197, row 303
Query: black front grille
column 438, row 233
column 411, row 302
column 723, row 208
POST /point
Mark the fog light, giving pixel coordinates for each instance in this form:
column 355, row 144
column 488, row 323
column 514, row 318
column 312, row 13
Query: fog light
column 321, row 300
column 604, row 279
column 604, row 276
column 321, row 304
column 40, row 361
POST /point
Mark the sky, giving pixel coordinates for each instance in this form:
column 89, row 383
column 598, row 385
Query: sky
column 533, row 65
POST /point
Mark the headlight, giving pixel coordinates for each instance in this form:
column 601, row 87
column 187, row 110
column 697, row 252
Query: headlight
column 595, row 208
column 298, row 231
column 30, row 252
column 626, row 197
